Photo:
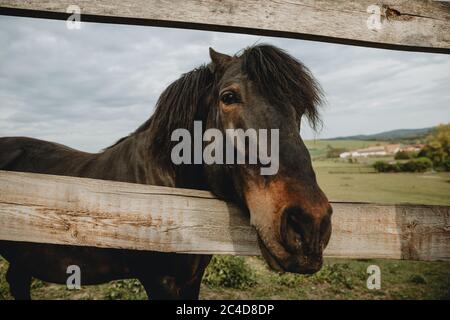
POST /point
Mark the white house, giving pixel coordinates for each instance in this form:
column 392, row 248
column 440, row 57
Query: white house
column 372, row 151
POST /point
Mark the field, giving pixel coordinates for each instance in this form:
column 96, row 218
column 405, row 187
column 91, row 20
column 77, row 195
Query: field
column 338, row 279
column 344, row 181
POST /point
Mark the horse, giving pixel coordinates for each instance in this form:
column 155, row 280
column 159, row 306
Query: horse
column 260, row 87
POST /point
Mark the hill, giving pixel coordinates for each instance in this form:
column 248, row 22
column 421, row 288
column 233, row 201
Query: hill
column 399, row 134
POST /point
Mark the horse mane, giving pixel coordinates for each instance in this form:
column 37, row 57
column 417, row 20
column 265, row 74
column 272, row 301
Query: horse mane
column 280, row 78
column 178, row 106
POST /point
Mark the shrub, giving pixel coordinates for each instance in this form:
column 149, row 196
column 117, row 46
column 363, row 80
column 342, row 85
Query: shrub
column 423, row 164
column 416, row 165
column 382, row 166
column 447, row 164
column 404, row 155
column 437, row 146
column 407, row 167
column 230, row 272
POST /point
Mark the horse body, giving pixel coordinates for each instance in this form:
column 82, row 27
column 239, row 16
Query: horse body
column 123, row 162
column 263, row 88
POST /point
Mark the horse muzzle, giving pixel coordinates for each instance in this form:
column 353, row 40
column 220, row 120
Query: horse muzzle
column 295, row 263
column 303, row 237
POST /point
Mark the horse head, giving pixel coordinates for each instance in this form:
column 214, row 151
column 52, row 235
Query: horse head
column 265, row 88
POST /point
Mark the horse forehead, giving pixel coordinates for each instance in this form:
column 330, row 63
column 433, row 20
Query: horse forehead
column 233, row 73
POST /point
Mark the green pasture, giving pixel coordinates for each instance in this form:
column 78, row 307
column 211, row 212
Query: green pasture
column 338, row 279
column 356, row 182
column 345, row 181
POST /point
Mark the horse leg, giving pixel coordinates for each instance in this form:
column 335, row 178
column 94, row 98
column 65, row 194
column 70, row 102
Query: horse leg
column 167, row 289
column 191, row 291
column 180, row 287
column 160, row 288
column 19, row 282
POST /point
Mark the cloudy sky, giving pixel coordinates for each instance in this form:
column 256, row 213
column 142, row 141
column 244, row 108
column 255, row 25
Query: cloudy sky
column 86, row 88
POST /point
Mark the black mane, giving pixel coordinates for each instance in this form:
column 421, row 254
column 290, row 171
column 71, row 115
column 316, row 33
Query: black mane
column 178, row 106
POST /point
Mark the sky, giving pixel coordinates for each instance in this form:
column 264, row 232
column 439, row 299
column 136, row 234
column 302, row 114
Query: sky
column 87, row 88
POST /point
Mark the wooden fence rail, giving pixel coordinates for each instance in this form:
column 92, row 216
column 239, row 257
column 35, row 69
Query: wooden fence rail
column 87, row 212
column 418, row 25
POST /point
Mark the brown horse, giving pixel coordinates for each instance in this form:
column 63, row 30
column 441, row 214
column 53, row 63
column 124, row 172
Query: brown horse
column 262, row 88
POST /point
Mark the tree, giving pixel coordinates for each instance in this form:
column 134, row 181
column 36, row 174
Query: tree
column 437, row 147
column 404, row 155
column 334, row 152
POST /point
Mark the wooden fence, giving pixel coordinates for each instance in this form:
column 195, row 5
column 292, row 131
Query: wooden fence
column 418, row 25
column 89, row 212
column 86, row 212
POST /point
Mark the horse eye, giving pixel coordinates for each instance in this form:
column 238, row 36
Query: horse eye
column 230, row 97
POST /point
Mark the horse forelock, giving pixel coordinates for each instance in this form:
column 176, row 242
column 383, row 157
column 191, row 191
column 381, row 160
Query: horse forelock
column 282, row 80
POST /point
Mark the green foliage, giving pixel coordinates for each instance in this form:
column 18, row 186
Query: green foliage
column 4, row 287
column 437, row 147
column 416, row 165
column 289, row 280
column 334, row 152
column 230, row 272
column 417, row 279
column 383, row 166
column 404, row 155
column 447, row 164
column 335, row 274
column 338, row 279
column 126, row 289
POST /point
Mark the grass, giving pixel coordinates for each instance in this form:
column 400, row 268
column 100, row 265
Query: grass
column 344, row 181
column 418, row 188
column 338, row 279
column 346, row 279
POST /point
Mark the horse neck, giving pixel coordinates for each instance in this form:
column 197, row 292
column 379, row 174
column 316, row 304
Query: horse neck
column 145, row 156
column 126, row 161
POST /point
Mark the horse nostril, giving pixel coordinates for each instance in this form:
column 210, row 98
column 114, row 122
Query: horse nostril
column 304, row 232
column 296, row 229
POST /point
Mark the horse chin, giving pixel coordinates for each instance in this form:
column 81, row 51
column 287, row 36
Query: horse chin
column 297, row 263
column 271, row 260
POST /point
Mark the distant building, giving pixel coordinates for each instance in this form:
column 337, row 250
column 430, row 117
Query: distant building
column 392, row 148
column 389, row 149
column 412, row 147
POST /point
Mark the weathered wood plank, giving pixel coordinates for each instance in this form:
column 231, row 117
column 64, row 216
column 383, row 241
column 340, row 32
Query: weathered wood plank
column 404, row 24
column 88, row 212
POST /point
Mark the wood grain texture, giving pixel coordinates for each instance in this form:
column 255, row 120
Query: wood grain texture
column 419, row 25
column 87, row 212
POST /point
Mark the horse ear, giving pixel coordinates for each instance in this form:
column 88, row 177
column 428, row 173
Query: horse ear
column 218, row 60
